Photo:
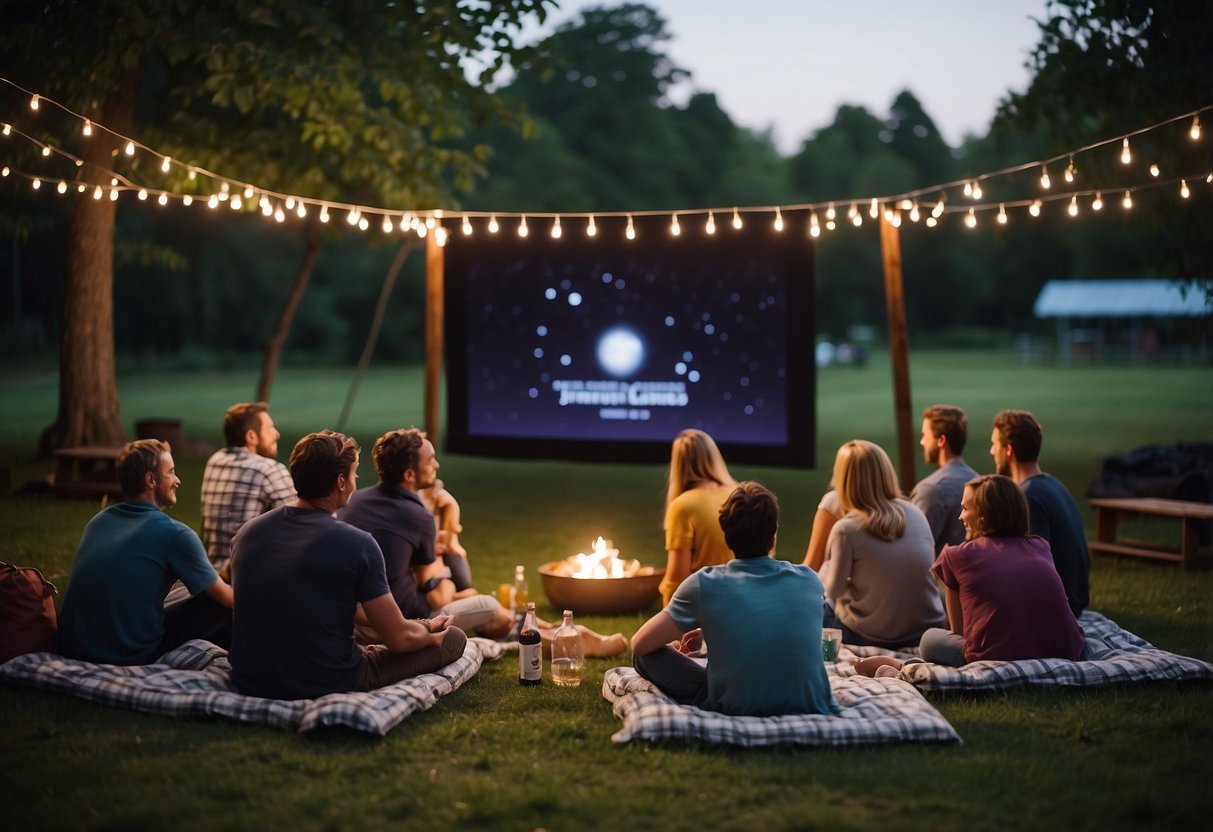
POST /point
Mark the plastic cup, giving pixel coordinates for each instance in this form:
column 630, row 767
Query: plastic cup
column 831, row 643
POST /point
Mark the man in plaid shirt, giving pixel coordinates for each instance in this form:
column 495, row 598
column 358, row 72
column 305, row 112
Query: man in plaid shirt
column 242, row 480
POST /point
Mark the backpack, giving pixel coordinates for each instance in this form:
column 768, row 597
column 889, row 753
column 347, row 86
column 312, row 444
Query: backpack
column 28, row 622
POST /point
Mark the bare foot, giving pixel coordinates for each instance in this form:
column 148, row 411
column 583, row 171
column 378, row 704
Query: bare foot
column 869, row 666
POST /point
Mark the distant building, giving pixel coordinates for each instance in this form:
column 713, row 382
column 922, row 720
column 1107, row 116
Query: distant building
column 1128, row 319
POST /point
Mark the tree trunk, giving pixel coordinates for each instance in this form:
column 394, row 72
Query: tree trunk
column 273, row 347
column 89, row 411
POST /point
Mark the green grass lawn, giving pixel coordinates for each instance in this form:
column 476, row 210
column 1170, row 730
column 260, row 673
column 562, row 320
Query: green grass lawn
column 494, row 755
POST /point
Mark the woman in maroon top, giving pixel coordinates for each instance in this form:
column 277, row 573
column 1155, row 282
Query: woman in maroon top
column 1005, row 600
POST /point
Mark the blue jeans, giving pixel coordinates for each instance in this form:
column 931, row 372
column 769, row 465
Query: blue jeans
column 680, row 677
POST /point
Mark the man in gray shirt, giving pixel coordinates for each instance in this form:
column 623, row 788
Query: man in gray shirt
column 945, row 430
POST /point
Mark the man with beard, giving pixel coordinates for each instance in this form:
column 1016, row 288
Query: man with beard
column 129, row 556
column 945, row 430
column 1015, row 445
column 242, row 480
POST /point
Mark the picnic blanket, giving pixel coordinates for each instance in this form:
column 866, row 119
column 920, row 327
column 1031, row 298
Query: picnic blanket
column 195, row 680
column 873, row 711
column 1117, row 656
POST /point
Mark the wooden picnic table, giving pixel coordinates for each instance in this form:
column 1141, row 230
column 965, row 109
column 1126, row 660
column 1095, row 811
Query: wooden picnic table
column 88, row 471
column 1191, row 515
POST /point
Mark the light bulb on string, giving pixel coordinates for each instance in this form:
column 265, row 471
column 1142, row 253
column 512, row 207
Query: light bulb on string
column 778, row 220
column 914, row 211
column 280, row 215
column 142, row 194
column 1002, row 214
column 80, row 188
column 387, row 224
column 1072, row 210
column 301, row 210
column 736, row 219
column 1183, row 188
column 968, row 188
column 556, row 230
column 522, row 229
column 193, row 174
column 8, row 128
column 1154, row 171
column 888, row 214
column 931, row 222
column 33, row 102
column 1097, row 202
column 430, row 222
column 163, row 199
column 630, row 231
column 264, row 202
column 62, row 187
column 830, row 212
column 130, row 148
column 1044, row 178
column 493, row 223
column 213, row 202
column 324, row 213
column 1034, row 208
column 166, row 164
column 977, row 192
column 187, row 200
column 37, row 183
column 1194, row 130
column 971, row 219
column 352, row 216
column 46, row 150
column 857, row 219
column 237, row 203
column 938, row 210
column 1070, row 171
column 814, row 228
column 874, row 209
column 895, row 220
column 290, row 203
column 248, row 192
column 591, row 230
column 88, row 128
column 710, row 225
column 113, row 194
column 1125, row 156
column 97, row 193
column 1127, row 202
column 440, row 235
column 467, row 226
column 363, row 223
column 675, row 228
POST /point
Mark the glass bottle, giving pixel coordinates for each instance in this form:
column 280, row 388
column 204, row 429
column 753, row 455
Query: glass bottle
column 530, row 650
column 568, row 654
column 519, row 592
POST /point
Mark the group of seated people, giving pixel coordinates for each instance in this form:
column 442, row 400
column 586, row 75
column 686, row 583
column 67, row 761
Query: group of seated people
column 317, row 587
column 968, row 568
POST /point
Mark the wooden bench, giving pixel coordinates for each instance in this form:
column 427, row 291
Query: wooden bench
column 1192, row 515
column 87, row 472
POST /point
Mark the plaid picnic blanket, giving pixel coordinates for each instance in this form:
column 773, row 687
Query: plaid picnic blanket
column 195, row 680
column 1117, row 656
column 873, row 711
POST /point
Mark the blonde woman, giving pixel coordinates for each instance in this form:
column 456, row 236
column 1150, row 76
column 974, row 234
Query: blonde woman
column 698, row 484
column 879, row 586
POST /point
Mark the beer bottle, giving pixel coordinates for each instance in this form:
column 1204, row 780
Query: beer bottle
column 530, row 651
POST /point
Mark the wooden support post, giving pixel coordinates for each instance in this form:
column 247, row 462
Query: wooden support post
column 434, row 275
column 899, row 350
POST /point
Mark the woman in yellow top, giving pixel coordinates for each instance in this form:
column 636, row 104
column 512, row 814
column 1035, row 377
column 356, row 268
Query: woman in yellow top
column 698, row 484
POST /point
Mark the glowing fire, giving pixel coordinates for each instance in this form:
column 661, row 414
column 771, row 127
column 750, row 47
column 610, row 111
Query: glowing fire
column 603, row 562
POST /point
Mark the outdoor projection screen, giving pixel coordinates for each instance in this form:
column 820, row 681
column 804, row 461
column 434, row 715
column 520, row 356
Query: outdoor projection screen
column 604, row 348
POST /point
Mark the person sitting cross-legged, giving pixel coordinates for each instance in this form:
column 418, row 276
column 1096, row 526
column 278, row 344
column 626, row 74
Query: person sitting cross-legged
column 300, row 575
column 760, row 618
column 1005, row 599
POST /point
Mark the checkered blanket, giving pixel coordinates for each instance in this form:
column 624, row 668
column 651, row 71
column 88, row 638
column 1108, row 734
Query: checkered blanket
column 873, row 711
column 195, row 680
column 1117, row 656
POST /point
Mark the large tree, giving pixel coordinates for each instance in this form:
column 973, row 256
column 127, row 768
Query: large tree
column 360, row 101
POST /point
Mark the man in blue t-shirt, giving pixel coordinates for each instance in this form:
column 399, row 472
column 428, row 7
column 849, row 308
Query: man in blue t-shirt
column 129, row 556
column 1015, row 445
column 760, row 617
column 302, row 578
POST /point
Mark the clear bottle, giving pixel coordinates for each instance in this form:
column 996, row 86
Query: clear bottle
column 530, row 650
column 519, row 593
column 568, row 654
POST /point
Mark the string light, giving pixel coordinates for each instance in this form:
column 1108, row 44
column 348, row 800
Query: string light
column 968, row 188
column 895, row 220
column 932, row 222
column 710, row 225
column 46, row 150
column 363, row 223
column 33, row 102
column 237, row 203
column 874, row 209
column 630, row 232
column 467, row 226
column 914, row 211
column 187, row 200
column 387, row 223
column 591, row 230
column 1070, row 171
column 522, row 229
column 556, row 231
column 213, row 202
column 1127, row 201
column 1002, row 214
column 977, row 192
column 1044, row 178
column 971, row 219
column 492, row 224
column 1097, row 202
column 440, row 235
column 97, row 193
column 168, row 161
column 856, row 217
column 736, row 219
column 830, row 213
column 324, row 213
column 1073, row 209
column 143, row 194
column 778, row 220
column 352, row 216
column 1034, row 208
column 280, row 216
column 938, row 210
column 1125, row 156
column 1183, row 189
column 1154, row 171
column 814, row 228
column 130, row 148
column 1194, row 131
column 675, row 229
column 37, row 183
column 163, row 199
column 88, row 128
column 113, row 194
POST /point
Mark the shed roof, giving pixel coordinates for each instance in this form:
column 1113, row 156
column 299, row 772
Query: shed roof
column 1123, row 299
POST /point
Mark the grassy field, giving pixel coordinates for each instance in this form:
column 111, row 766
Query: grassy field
column 496, row 756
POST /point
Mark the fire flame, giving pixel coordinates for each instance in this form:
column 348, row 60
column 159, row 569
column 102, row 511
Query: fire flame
column 603, row 562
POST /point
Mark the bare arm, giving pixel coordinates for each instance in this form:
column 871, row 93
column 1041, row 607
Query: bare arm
column 823, row 521
column 444, row 592
column 955, row 620
column 221, row 593
column 398, row 633
column 655, row 633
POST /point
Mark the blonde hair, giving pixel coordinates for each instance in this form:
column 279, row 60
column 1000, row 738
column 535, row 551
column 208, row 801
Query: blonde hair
column 694, row 458
column 866, row 483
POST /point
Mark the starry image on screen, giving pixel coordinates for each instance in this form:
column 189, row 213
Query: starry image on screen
column 605, row 348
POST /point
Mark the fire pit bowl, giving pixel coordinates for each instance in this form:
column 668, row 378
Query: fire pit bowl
column 600, row 596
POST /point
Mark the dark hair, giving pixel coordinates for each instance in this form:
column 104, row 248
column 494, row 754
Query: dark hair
column 397, row 451
column 749, row 519
column 1020, row 430
column 239, row 419
column 951, row 423
column 136, row 460
column 318, row 459
column 1001, row 507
